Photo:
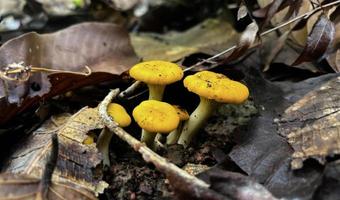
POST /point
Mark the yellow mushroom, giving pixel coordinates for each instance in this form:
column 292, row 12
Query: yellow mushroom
column 155, row 117
column 213, row 89
column 119, row 115
column 183, row 116
column 156, row 74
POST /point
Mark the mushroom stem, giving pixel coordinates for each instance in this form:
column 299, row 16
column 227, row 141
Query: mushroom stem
column 196, row 120
column 103, row 144
column 174, row 135
column 156, row 92
column 148, row 138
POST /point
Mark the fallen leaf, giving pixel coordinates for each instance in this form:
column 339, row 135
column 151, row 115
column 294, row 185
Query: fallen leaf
column 14, row 186
column 101, row 46
column 242, row 11
column 235, row 185
column 11, row 7
column 318, row 41
column 311, row 125
column 76, row 162
column 247, row 39
column 330, row 183
column 334, row 60
column 173, row 46
column 260, row 151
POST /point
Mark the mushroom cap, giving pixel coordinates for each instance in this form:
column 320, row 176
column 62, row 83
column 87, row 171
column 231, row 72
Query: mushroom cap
column 218, row 87
column 156, row 72
column 156, row 116
column 181, row 112
column 119, row 114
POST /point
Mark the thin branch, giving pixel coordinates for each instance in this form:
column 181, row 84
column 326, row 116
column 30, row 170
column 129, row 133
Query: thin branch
column 21, row 73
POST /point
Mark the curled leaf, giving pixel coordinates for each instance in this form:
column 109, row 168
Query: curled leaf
column 318, row 41
column 103, row 47
column 242, row 11
column 247, row 39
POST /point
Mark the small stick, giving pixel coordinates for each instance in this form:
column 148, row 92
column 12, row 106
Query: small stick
column 130, row 90
column 46, row 180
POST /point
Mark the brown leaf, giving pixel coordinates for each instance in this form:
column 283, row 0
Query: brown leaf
column 334, row 61
column 14, row 186
column 247, row 39
column 318, row 41
column 101, row 46
column 242, row 11
column 216, row 34
column 76, row 161
column 311, row 125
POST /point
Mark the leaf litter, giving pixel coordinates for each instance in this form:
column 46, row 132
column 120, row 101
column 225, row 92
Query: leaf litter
column 258, row 155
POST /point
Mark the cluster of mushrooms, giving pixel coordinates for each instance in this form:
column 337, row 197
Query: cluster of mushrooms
column 157, row 118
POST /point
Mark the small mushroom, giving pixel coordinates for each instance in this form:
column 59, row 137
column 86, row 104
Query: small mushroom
column 156, row 74
column 174, row 135
column 155, row 117
column 119, row 115
column 213, row 89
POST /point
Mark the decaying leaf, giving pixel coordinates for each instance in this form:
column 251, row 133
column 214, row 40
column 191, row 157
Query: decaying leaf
column 13, row 7
column 247, row 39
column 236, row 185
column 312, row 124
column 176, row 45
column 318, row 41
column 14, row 186
column 76, row 161
column 242, row 11
column 101, row 46
column 260, row 151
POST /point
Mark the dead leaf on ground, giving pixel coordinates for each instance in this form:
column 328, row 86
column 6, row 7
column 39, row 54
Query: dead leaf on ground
column 312, row 124
column 76, row 161
column 260, row 151
column 246, row 40
column 103, row 47
column 235, row 185
column 14, row 186
column 318, row 41
column 216, row 34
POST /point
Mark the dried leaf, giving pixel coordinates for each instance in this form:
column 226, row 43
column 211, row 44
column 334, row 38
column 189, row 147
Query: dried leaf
column 14, row 186
column 260, row 151
column 278, row 47
column 247, row 39
column 176, row 45
column 61, row 7
column 76, row 161
column 312, row 124
column 242, row 11
column 334, row 61
column 101, row 46
column 236, row 185
column 318, row 41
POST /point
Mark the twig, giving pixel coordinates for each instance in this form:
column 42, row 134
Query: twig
column 149, row 156
column 265, row 33
column 22, row 73
column 48, row 171
column 130, row 90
